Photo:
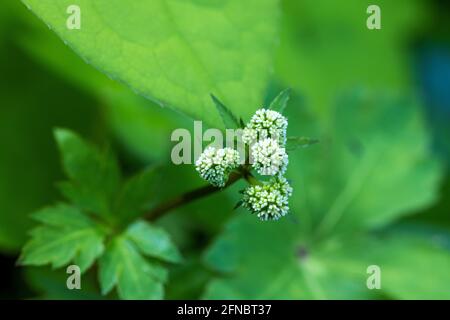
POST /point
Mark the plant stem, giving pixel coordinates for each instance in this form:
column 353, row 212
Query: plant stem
column 189, row 197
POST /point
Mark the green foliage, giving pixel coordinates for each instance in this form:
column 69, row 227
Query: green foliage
column 94, row 176
column 326, row 47
column 228, row 118
column 97, row 224
column 294, row 143
column 172, row 58
column 135, row 277
column 33, row 101
column 341, row 188
column 372, row 168
column 137, row 193
column 65, row 235
column 412, row 266
column 280, row 102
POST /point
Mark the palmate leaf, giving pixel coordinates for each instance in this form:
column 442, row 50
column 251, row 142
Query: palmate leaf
column 69, row 234
column 94, row 176
column 176, row 52
column 371, row 167
column 65, row 235
column 124, row 263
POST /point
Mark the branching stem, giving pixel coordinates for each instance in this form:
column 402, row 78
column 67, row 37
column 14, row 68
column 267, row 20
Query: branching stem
column 189, row 197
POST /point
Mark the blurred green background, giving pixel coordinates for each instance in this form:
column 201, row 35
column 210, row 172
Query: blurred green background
column 379, row 101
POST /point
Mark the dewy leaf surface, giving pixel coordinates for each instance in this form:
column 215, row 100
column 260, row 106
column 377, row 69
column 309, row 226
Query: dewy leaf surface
column 176, row 52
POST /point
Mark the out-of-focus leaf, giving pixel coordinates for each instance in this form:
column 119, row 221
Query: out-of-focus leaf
column 153, row 241
column 94, row 176
column 228, row 118
column 51, row 284
column 294, row 143
column 326, row 47
column 371, row 167
column 136, row 194
column 412, row 266
column 65, row 235
column 284, row 266
column 280, row 102
column 123, row 266
column 187, row 50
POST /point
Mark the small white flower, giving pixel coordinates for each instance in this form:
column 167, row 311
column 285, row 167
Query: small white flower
column 269, row 201
column 269, row 158
column 214, row 165
column 265, row 124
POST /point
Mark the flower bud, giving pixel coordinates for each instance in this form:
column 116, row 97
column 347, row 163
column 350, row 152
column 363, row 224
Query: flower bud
column 270, row 200
column 269, row 158
column 214, row 165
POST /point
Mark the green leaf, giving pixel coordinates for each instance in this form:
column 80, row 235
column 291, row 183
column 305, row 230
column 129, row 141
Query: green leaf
column 141, row 126
column 123, row 266
column 285, row 266
column 136, row 194
column 229, row 119
column 294, row 143
column 65, row 235
column 153, row 241
column 186, row 50
column 94, row 176
column 372, row 166
column 280, row 102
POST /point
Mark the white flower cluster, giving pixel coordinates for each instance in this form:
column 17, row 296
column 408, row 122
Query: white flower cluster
column 266, row 136
column 269, row 158
column 270, row 200
column 265, row 124
column 214, row 165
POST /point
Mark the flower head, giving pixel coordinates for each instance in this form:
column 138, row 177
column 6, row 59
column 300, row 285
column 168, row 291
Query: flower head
column 269, row 158
column 214, row 165
column 270, row 200
column 265, row 124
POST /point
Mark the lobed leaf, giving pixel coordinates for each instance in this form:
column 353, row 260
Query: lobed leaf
column 65, row 235
column 123, row 266
column 94, row 176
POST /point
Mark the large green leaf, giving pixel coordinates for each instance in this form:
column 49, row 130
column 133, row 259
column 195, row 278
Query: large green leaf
column 283, row 266
column 141, row 126
column 65, row 235
column 372, row 165
column 176, row 52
